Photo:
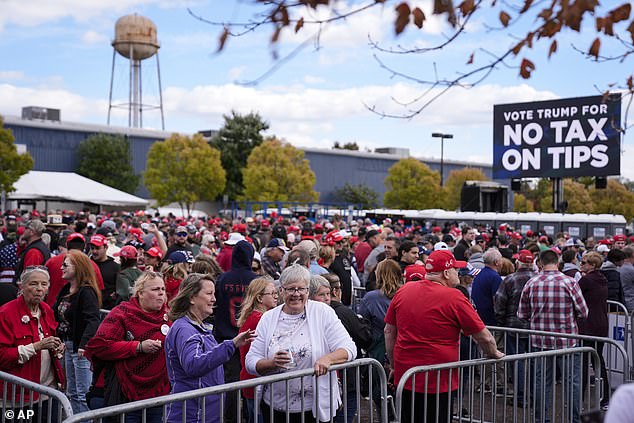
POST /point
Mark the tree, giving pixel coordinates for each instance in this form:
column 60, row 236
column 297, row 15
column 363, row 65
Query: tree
column 235, row 141
column 529, row 23
column 347, row 146
column 521, row 204
column 107, row 159
column 184, row 170
column 615, row 199
column 453, row 186
column 277, row 171
column 361, row 194
column 412, row 185
column 12, row 164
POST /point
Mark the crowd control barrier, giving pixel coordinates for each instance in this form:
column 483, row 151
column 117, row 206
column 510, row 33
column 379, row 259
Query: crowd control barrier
column 26, row 401
column 612, row 353
column 539, row 386
column 268, row 388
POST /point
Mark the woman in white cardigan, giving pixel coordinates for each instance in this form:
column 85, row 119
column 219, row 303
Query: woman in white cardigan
column 299, row 334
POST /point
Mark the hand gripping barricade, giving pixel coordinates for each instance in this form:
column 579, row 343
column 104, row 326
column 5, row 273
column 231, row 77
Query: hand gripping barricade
column 26, row 401
column 269, row 389
column 449, row 392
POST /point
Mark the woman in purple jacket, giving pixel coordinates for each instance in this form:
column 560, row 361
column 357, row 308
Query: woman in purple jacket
column 194, row 358
column 594, row 287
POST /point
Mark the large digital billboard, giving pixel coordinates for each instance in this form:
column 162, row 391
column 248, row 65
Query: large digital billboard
column 559, row 138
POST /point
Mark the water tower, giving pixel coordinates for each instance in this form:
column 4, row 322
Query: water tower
column 135, row 39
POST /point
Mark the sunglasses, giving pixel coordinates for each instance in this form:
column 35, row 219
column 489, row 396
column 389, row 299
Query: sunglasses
column 181, row 234
column 584, row 262
column 256, row 268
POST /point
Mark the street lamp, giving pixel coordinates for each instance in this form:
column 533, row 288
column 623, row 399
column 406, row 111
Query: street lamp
column 442, row 151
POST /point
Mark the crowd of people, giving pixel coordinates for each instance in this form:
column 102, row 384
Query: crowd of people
column 200, row 302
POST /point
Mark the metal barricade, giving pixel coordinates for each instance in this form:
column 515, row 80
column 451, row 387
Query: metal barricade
column 453, row 391
column 26, row 401
column 613, row 356
column 103, row 313
column 268, row 389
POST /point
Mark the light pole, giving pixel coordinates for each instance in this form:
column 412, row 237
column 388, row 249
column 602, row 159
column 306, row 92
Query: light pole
column 442, row 152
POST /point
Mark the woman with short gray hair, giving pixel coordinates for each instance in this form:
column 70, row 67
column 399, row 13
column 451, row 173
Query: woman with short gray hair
column 319, row 289
column 299, row 334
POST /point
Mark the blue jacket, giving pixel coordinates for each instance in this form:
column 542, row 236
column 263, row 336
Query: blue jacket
column 483, row 290
column 230, row 289
column 194, row 360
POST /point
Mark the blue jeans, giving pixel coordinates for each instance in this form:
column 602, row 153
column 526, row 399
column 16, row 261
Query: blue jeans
column 571, row 380
column 351, row 409
column 152, row 415
column 518, row 345
column 78, row 378
column 250, row 402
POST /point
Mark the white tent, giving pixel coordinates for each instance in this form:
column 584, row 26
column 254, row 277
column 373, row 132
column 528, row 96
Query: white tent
column 68, row 186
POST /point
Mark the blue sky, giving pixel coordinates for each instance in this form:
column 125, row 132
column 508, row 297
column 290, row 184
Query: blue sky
column 58, row 54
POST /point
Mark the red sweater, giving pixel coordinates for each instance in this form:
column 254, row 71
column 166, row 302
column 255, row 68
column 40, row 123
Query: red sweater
column 224, row 257
column 14, row 332
column 142, row 375
column 250, row 323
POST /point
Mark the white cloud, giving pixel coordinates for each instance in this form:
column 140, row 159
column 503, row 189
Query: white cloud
column 93, row 37
column 12, row 75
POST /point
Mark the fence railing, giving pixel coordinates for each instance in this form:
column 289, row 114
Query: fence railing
column 531, row 392
column 26, row 401
column 269, row 389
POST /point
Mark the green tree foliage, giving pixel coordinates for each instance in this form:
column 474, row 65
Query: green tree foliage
column 361, row 194
column 184, row 170
column 578, row 197
column 107, row 159
column 235, row 141
column 12, row 164
column 615, row 199
column 454, row 183
column 412, row 185
column 521, row 204
column 277, row 171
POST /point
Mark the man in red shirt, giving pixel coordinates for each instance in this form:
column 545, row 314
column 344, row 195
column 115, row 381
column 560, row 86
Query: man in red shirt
column 409, row 343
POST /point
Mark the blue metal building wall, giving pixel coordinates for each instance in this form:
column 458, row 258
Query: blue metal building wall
column 54, row 149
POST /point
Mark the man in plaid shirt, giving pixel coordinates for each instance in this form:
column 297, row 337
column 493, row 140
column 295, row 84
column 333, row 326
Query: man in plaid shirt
column 552, row 301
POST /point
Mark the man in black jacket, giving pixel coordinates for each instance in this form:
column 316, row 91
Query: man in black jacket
column 610, row 266
column 36, row 252
column 361, row 334
column 468, row 235
column 230, row 289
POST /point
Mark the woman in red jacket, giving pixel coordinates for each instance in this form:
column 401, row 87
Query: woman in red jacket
column 129, row 347
column 260, row 297
column 28, row 346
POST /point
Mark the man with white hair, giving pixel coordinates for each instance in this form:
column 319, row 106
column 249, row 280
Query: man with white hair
column 36, row 252
column 313, row 252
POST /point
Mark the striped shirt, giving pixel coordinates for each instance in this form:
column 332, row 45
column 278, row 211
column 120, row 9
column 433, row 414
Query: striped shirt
column 552, row 302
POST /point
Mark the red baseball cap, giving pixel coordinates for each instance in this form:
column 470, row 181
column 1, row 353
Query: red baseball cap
column 525, row 256
column 414, row 272
column 442, row 260
column 155, row 252
column 127, row 252
column 98, row 240
column 619, row 238
column 529, row 233
column 74, row 236
column 334, row 236
column 436, row 229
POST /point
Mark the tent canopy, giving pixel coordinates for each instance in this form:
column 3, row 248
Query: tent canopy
column 68, row 186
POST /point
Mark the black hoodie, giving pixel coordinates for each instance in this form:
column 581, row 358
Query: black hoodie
column 230, row 289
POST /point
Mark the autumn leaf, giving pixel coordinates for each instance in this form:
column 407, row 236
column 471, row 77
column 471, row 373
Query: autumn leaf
column 402, row 19
column 630, row 29
column 621, row 13
column 553, row 48
column 470, row 61
column 630, row 84
column 594, row 48
column 527, row 5
column 276, row 34
column 505, row 18
column 526, row 68
column 419, row 17
column 466, row 7
column 299, row 24
column 518, row 47
column 223, row 39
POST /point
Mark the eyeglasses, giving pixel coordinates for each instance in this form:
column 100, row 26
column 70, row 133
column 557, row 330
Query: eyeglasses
column 65, row 265
column 296, row 290
column 181, row 234
column 584, row 262
column 274, row 293
column 256, row 268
